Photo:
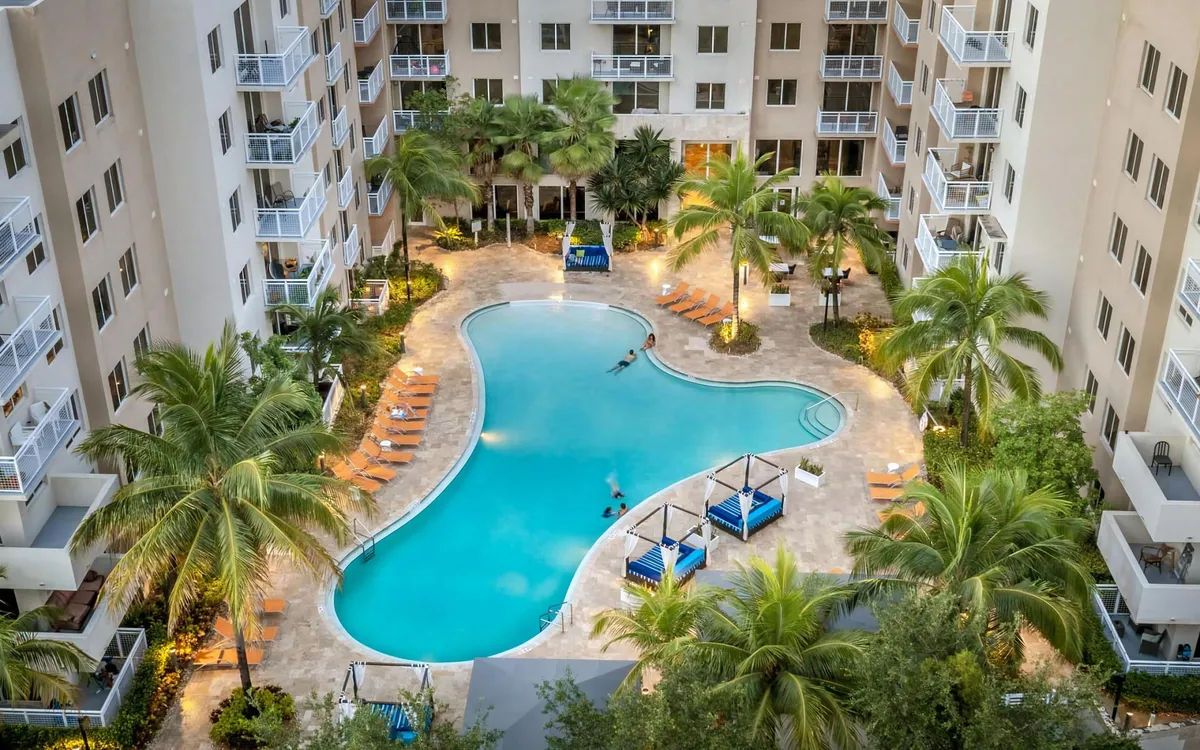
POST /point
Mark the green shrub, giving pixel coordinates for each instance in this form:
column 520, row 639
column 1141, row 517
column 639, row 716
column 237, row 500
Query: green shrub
column 1161, row 692
column 747, row 341
column 943, row 451
column 1108, row 741
column 453, row 238
column 626, row 237
column 840, row 338
column 231, row 719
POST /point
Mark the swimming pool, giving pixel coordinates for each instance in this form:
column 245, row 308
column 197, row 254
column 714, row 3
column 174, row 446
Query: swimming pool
column 470, row 574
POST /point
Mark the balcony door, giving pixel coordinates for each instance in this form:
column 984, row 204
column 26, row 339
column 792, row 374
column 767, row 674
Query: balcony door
column 419, row 39
column 638, row 39
column 243, row 29
column 844, row 96
column 851, row 39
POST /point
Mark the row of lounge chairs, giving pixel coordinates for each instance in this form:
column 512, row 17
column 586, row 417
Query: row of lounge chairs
column 224, row 653
column 889, row 488
column 699, row 306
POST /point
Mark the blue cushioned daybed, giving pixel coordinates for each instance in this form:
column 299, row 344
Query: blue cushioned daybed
column 649, row 567
column 763, row 510
column 399, row 723
column 586, row 258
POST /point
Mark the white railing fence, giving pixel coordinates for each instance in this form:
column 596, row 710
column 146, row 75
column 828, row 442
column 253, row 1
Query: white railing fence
column 966, row 122
column 285, row 147
column 340, row 127
column 365, row 27
column 633, row 10
column 21, row 471
column 280, row 69
column 419, row 66
column 968, row 46
column 908, row 29
column 856, row 10
column 369, row 87
column 897, row 148
column 868, row 67
column 847, row 123
column 901, row 90
column 416, row 10
column 375, row 299
column 18, row 230
column 293, row 222
column 378, row 198
column 28, row 340
column 333, row 64
column 1107, row 601
column 632, row 67
column 1189, row 292
column 303, row 291
column 377, row 143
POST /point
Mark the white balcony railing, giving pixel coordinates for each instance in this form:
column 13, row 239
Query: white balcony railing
column 314, row 275
column 843, row 11
column 892, row 213
column 376, row 143
column 18, row 230
column 374, row 300
column 404, row 119
column 345, row 188
column 416, row 11
column 366, row 27
column 377, row 198
column 895, row 146
column 968, row 47
column 350, row 251
column 32, row 334
column 1189, row 290
column 385, row 245
column 958, row 120
column 1163, row 598
column 333, row 64
column 908, row 29
column 847, row 123
column 1178, row 383
column 369, row 87
column 292, row 220
column 1110, row 605
column 280, row 70
column 286, row 146
column 340, row 127
column 935, row 248
column 22, row 471
column 327, row 7
column 632, row 11
column 419, row 66
column 632, row 67
column 951, row 193
column 852, row 67
column 900, row 89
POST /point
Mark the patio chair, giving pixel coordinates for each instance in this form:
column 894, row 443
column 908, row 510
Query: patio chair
column 1151, row 642
column 1162, row 457
column 1154, row 556
column 363, row 466
column 225, row 629
column 274, row 606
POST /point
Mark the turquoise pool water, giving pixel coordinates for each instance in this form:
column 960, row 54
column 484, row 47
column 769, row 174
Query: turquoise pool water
column 470, row 574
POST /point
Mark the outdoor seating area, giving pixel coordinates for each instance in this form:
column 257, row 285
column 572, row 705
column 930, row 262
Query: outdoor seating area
column 749, row 509
column 889, row 486
column 404, row 721
column 679, row 540
column 699, row 305
column 223, row 651
column 587, row 257
column 76, row 606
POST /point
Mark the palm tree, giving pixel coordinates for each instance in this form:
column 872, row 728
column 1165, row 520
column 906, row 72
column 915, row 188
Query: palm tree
column 525, row 124
column 1004, row 551
column 31, row 668
column 325, row 329
column 769, row 636
column 731, row 198
column 617, row 190
column 422, row 170
column 224, row 492
column 839, row 217
column 584, row 141
column 966, row 317
column 476, row 126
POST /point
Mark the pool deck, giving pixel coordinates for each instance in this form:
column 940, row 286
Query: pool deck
column 312, row 654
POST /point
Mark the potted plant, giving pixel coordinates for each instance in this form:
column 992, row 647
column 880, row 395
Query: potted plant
column 780, row 295
column 810, row 472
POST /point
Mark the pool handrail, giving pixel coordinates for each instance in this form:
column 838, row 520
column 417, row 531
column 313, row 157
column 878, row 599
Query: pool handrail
column 855, row 394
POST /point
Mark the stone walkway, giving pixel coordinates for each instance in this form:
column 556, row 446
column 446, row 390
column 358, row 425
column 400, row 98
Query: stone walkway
column 312, row 654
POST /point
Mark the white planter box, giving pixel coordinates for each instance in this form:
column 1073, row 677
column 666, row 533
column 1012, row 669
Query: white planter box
column 812, row 480
column 779, row 300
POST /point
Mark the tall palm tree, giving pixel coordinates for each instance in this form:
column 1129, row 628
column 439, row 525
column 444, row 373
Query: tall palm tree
column 325, row 329
column 525, row 124
column 770, row 636
column 583, row 142
column 422, row 170
column 1004, row 551
column 732, row 199
column 223, row 492
column 839, row 218
column 476, row 126
column 31, row 668
column 962, row 318
column 617, row 190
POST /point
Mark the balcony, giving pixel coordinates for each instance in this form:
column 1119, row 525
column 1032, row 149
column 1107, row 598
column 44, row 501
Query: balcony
column 1164, row 496
column 952, row 186
column 419, row 66
column 350, row 249
column 405, row 119
column 959, row 119
column 851, row 11
column 1113, row 611
column 287, row 141
column 633, row 11
column 936, row 241
column 345, row 189
column 416, row 11
column 306, row 281
column 333, row 64
column 18, row 230
column 1169, row 595
column 27, row 331
column 366, row 27
column 375, row 144
column 892, row 196
column 847, row 123
column 327, row 7
column 900, row 89
column 291, row 216
column 332, row 391
column 370, row 83
column 632, row 67
column 340, row 127
column 51, row 421
column 386, row 244
column 895, row 144
column 1179, row 384
column 377, row 197
column 278, row 71
column 851, row 67
column 908, row 29
column 373, row 299
column 967, row 47
column 1189, row 291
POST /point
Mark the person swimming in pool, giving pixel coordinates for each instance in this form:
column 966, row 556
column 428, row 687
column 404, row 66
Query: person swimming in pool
column 649, row 343
column 622, row 510
column 608, row 512
column 632, row 355
column 616, row 489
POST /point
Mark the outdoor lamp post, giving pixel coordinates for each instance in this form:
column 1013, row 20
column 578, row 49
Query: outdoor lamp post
column 84, row 723
column 1119, row 681
column 321, row 462
column 362, row 396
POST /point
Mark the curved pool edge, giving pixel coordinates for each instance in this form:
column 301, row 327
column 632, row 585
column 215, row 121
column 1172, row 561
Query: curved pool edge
column 477, row 419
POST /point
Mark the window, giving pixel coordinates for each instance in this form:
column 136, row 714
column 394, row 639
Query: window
column 341, row 8
column 998, row 249
column 904, row 261
column 556, row 37
column 710, row 96
column 485, row 36
column 345, row 74
column 1116, row 239
column 1031, row 22
column 785, row 37
column 549, row 89
column 102, row 303
column 214, row 49
column 635, row 96
column 932, row 15
column 1104, row 317
column 714, row 40
column 68, row 118
column 1091, row 387
column 35, row 258
column 13, row 400
column 85, row 209
column 226, row 134
column 141, row 342
column 14, row 154
column 1112, row 426
column 1185, row 315
column 1010, row 181
column 113, row 187
column 1133, row 156
column 917, row 142
column 1149, row 74
column 321, row 110
column 491, row 89
column 1125, row 350
column 283, row 8
column 843, row 158
column 98, row 91
column 1176, row 88
column 781, row 92
column 912, row 198
column 235, row 210
column 785, row 154
column 1141, row 270
column 1160, row 175
column 118, row 389
column 697, row 155
column 58, row 345
column 153, row 421
column 129, row 270
column 924, row 78
column 1019, row 109
column 244, row 282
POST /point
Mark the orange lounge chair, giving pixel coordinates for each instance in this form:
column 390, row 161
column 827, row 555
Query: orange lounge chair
column 413, row 378
column 366, row 484
column 916, row 511
column 689, row 303
column 274, row 606
column 212, row 657
column 379, row 435
column 362, row 465
column 409, row 401
column 710, row 306
column 400, row 425
column 673, row 296
column 409, row 388
column 254, row 656
column 718, row 316
column 379, row 455
column 225, row 629
column 894, row 480
column 406, row 414
column 885, row 493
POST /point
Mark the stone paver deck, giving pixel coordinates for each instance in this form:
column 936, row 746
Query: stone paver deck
column 312, row 654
